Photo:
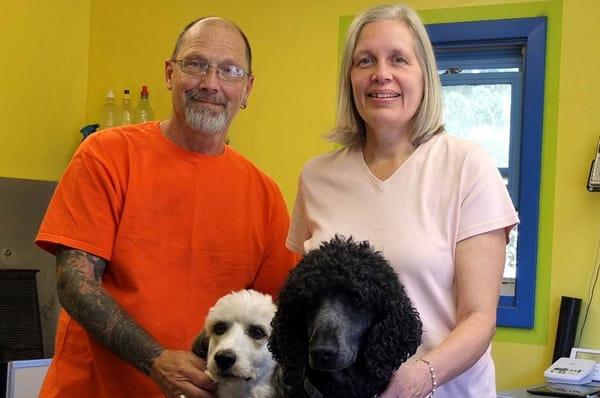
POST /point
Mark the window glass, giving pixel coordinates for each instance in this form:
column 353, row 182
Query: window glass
column 480, row 113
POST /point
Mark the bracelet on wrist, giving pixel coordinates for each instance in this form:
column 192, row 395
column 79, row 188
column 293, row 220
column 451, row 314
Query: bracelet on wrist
column 431, row 374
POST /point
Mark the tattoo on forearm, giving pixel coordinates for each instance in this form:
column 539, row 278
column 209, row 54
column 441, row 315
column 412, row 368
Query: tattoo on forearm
column 79, row 276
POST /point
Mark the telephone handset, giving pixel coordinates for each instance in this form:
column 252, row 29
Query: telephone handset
column 594, row 177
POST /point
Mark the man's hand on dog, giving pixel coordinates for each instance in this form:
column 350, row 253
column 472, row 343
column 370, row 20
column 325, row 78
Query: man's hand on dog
column 181, row 372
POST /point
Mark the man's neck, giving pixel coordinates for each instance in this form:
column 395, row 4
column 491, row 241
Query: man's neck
column 183, row 136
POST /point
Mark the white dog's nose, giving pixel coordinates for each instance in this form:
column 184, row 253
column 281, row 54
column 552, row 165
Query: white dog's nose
column 225, row 359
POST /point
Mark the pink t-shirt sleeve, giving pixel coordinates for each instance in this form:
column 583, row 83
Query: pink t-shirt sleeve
column 486, row 205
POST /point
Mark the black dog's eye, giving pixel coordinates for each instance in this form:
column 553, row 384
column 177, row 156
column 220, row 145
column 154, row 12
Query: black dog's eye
column 220, row 328
column 356, row 300
column 256, row 332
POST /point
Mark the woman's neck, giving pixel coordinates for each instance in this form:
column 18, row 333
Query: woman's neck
column 385, row 152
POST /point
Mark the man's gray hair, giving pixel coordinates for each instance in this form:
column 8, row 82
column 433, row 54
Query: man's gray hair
column 181, row 39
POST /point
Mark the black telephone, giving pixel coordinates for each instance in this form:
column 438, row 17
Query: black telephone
column 594, row 177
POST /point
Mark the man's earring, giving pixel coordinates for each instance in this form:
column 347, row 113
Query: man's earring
column 244, row 105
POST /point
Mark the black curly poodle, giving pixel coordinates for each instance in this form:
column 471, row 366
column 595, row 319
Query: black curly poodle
column 344, row 323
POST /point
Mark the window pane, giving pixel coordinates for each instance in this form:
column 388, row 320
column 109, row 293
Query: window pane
column 480, row 113
column 510, row 265
column 510, row 269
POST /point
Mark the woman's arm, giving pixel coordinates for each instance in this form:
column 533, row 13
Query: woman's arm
column 479, row 264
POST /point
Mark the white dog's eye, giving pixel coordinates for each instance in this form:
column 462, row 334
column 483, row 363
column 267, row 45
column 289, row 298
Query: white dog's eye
column 256, row 332
column 220, row 328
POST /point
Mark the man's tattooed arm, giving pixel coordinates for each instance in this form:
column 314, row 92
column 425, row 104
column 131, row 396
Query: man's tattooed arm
column 79, row 276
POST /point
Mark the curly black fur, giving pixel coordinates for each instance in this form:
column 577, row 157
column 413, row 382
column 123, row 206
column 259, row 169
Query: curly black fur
column 345, row 265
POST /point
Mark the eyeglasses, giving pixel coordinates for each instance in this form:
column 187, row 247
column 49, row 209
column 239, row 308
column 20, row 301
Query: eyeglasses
column 198, row 67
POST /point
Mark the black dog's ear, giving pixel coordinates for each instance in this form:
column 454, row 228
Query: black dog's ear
column 394, row 338
column 200, row 345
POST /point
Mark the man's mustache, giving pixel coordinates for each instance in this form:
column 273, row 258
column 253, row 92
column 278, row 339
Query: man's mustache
column 203, row 95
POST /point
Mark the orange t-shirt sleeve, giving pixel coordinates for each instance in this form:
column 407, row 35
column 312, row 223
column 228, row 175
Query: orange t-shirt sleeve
column 85, row 209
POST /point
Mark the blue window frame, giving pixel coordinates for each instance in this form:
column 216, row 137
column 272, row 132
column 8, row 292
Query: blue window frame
column 517, row 49
column 491, row 65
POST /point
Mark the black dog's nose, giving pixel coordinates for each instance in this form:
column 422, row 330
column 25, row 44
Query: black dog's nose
column 225, row 359
column 323, row 354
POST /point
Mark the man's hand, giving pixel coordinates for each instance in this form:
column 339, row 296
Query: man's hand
column 181, row 372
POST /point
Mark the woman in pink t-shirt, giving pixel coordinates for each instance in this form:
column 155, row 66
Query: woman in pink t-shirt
column 434, row 205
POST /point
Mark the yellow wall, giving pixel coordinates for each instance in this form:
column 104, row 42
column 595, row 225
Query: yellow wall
column 577, row 212
column 43, row 85
column 295, row 47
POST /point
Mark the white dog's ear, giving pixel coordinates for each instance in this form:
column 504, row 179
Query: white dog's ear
column 200, row 345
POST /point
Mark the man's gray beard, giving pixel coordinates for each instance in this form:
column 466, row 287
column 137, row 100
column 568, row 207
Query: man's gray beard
column 203, row 119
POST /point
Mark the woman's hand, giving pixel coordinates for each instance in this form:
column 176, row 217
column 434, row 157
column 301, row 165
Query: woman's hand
column 411, row 380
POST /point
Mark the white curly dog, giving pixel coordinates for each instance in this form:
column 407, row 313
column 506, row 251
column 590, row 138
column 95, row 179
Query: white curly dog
column 234, row 344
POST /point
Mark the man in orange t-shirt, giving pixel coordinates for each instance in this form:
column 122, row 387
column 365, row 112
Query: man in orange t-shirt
column 152, row 223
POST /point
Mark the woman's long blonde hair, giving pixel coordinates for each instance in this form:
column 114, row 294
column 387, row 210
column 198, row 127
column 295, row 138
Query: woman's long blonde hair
column 350, row 128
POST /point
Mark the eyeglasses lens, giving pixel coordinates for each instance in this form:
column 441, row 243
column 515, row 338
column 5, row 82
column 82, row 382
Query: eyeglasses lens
column 226, row 72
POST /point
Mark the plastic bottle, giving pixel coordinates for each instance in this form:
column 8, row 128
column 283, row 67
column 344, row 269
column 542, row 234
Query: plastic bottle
column 143, row 111
column 110, row 112
column 126, row 109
